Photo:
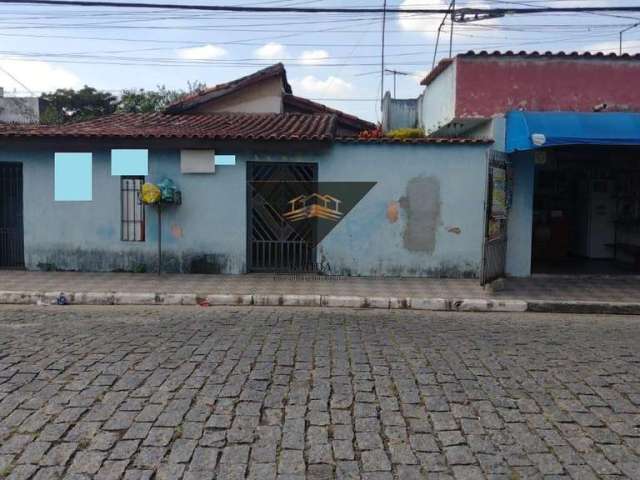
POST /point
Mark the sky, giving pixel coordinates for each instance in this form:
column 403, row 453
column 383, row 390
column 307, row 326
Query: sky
column 330, row 58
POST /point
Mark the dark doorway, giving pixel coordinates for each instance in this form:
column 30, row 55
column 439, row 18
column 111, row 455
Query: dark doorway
column 11, row 229
column 272, row 244
column 586, row 211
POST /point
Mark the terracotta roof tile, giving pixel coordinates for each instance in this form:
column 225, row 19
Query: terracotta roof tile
column 549, row 54
column 217, row 126
column 191, row 101
column 304, row 105
column 441, row 67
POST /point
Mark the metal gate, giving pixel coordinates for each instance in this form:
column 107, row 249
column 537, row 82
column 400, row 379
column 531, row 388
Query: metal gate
column 498, row 201
column 11, row 229
column 272, row 244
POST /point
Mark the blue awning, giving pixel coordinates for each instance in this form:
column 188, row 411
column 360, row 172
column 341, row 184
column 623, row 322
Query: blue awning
column 531, row 130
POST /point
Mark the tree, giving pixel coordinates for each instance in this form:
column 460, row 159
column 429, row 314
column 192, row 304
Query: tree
column 144, row 101
column 67, row 105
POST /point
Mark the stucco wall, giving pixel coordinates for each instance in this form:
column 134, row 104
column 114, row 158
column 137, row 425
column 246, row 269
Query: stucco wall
column 399, row 113
column 264, row 97
column 487, row 86
column 424, row 217
column 439, row 102
column 86, row 235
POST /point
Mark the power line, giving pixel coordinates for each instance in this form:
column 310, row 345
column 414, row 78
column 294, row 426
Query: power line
column 460, row 14
column 16, row 80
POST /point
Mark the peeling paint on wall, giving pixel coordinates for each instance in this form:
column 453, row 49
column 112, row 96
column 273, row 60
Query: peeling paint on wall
column 393, row 211
column 455, row 230
column 422, row 208
column 176, row 231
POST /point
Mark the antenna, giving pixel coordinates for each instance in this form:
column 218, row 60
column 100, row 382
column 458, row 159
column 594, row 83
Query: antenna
column 395, row 73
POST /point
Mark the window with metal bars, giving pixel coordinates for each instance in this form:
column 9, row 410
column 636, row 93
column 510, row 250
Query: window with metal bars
column 132, row 209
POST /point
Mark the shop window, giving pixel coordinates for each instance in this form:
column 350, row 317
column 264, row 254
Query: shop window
column 73, row 177
column 129, row 162
column 132, row 209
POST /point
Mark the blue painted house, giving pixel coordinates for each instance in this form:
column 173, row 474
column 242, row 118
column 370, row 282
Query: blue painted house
column 70, row 194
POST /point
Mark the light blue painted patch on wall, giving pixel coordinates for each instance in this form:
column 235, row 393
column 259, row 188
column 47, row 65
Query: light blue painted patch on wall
column 129, row 162
column 225, row 159
column 73, row 177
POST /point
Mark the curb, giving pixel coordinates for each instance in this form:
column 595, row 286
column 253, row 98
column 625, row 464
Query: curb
column 331, row 301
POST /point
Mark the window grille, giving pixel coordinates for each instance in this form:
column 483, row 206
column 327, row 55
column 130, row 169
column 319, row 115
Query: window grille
column 132, row 209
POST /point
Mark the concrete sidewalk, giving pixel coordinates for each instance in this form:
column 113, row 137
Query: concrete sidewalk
column 587, row 294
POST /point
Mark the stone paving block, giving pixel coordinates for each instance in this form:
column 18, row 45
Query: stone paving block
column 59, row 454
column 293, row 393
column 375, row 461
column 87, row 462
column 291, row 462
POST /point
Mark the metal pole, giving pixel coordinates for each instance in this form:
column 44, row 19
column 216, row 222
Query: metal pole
column 435, row 49
column 384, row 22
column 394, row 84
column 620, row 52
column 626, row 30
column 453, row 8
column 159, row 239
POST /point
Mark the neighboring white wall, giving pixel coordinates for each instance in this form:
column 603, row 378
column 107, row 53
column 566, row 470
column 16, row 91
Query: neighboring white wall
column 399, row 113
column 439, row 103
column 19, row 110
column 265, row 97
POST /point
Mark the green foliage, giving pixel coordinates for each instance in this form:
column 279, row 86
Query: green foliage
column 406, row 133
column 68, row 105
column 146, row 101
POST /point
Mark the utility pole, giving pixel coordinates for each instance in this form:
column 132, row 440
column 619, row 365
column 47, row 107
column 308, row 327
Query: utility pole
column 395, row 73
column 384, row 24
column 626, row 30
column 435, row 50
column 453, row 9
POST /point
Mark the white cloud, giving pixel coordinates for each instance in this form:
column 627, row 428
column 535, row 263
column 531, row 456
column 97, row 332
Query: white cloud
column 631, row 47
column 428, row 24
column 331, row 87
column 39, row 76
column 313, row 57
column 419, row 75
column 271, row 51
column 205, row 52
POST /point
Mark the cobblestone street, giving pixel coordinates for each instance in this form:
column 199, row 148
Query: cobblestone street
column 264, row 393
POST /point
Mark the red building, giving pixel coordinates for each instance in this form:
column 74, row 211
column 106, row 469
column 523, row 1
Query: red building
column 462, row 93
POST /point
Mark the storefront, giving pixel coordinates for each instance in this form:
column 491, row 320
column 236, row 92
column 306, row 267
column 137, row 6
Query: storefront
column 576, row 207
